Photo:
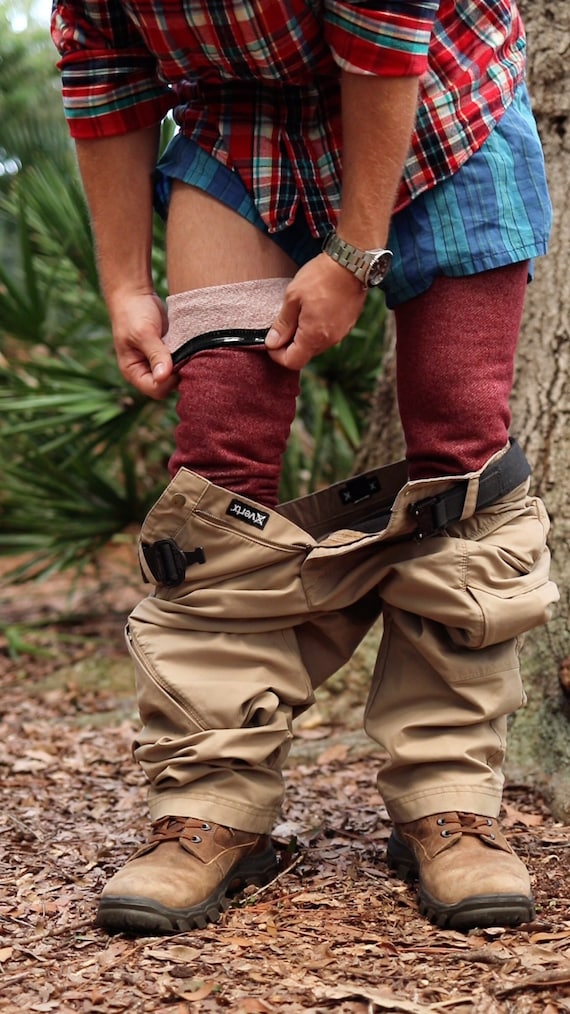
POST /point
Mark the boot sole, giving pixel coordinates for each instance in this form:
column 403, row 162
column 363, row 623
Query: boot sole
column 477, row 911
column 143, row 916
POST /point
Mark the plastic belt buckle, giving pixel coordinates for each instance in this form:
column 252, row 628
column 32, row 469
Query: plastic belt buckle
column 431, row 516
column 167, row 562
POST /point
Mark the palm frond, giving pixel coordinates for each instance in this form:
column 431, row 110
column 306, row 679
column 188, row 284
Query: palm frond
column 23, row 299
column 60, row 517
column 51, row 207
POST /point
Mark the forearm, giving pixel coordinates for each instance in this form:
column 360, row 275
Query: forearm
column 117, row 179
column 378, row 119
column 324, row 300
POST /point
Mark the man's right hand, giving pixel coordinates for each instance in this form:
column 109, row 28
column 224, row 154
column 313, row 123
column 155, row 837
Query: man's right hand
column 139, row 322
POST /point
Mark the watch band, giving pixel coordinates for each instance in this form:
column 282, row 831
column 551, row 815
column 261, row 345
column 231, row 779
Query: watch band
column 358, row 262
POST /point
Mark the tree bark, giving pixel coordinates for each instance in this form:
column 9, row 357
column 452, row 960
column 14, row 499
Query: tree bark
column 539, row 746
column 540, row 734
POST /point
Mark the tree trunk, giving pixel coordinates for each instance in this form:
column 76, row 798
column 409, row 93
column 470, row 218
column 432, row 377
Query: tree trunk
column 540, row 734
column 539, row 746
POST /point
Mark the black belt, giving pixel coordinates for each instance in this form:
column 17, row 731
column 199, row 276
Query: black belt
column 437, row 512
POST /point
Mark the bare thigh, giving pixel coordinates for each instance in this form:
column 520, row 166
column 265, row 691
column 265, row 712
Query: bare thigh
column 208, row 243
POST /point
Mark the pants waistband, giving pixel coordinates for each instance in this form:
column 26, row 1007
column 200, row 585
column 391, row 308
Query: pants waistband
column 380, row 503
column 368, row 502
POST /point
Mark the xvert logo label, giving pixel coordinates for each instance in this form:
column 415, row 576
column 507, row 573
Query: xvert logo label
column 251, row 516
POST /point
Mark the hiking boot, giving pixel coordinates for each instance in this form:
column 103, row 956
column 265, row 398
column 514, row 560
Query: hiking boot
column 468, row 873
column 184, row 877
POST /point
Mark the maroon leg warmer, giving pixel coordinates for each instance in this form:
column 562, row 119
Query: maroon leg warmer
column 236, row 407
column 456, row 346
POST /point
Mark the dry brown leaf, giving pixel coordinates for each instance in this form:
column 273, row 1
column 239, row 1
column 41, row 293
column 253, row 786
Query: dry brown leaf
column 320, row 732
column 319, row 898
column 203, row 989
column 557, row 977
column 27, row 765
column 384, row 1000
column 556, row 839
column 337, row 752
column 322, row 957
column 176, row 952
column 541, row 938
column 312, row 720
column 442, row 1005
column 533, row 955
column 252, row 1005
column 514, row 816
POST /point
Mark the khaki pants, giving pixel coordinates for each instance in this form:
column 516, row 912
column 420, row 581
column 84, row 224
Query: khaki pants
column 225, row 659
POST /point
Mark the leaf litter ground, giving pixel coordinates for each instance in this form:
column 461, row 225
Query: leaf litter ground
column 334, row 932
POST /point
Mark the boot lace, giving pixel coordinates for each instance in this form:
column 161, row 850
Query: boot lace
column 173, row 828
column 466, row 823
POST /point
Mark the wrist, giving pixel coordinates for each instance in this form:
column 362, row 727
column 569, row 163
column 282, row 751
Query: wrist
column 118, row 294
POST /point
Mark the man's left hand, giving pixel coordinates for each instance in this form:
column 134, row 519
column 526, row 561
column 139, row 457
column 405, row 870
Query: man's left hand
column 322, row 304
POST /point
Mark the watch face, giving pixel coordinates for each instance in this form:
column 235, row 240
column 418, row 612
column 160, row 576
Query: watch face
column 379, row 268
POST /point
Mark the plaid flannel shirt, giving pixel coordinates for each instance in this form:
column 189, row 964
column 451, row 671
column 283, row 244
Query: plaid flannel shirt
column 256, row 84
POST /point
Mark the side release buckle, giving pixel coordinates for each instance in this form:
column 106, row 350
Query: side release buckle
column 167, row 562
column 432, row 515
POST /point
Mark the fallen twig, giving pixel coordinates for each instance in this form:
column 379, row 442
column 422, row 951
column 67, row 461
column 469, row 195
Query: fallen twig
column 557, row 977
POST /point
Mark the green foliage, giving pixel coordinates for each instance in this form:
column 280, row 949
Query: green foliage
column 30, row 104
column 18, row 643
column 82, row 454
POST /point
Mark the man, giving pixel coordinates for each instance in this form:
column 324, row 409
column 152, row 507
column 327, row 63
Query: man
column 313, row 135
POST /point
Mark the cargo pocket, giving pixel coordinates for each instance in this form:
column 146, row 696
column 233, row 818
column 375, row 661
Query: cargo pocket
column 507, row 579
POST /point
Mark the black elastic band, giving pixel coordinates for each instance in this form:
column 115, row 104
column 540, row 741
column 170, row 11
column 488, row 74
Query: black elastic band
column 234, row 338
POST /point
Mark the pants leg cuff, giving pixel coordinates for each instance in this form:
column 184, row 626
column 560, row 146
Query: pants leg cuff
column 452, row 798
column 205, row 807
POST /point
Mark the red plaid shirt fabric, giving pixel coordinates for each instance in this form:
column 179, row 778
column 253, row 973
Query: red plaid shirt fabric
column 256, row 84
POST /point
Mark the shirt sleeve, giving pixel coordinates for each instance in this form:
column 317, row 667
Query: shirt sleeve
column 386, row 39
column 109, row 78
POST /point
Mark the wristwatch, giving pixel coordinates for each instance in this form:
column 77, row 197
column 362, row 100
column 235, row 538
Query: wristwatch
column 369, row 266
